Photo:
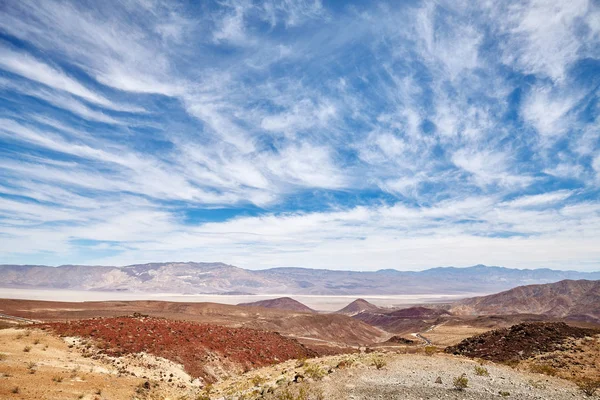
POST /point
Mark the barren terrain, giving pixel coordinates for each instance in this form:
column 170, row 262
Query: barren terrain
column 337, row 330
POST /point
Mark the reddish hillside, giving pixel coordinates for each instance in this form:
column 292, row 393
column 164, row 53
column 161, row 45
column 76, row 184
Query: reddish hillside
column 198, row 347
column 281, row 303
column 358, row 306
column 577, row 300
column 519, row 341
column 339, row 329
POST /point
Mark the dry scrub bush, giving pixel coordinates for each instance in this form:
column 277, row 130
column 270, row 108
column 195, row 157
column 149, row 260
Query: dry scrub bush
column 461, row 382
column 301, row 392
column 27, row 349
column 257, row 380
column 588, row 386
column 314, row 371
column 545, row 369
column 430, row 350
column 379, row 362
column 481, row 371
column 536, row 384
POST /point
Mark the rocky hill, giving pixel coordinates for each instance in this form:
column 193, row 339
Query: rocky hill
column 219, row 278
column 519, row 341
column 405, row 320
column 358, row 306
column 339, row 330
column 575, row 300
column 281, row 303
column 200, row 348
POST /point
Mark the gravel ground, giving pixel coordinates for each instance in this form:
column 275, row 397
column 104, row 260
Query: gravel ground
column 408, row 377
column 404, row 377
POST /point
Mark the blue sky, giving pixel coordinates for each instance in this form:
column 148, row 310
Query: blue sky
column 343, row 135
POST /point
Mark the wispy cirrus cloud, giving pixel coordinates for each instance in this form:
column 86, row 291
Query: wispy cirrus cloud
column 300, row 133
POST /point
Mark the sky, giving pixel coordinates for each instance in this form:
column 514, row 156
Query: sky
column 344, row 135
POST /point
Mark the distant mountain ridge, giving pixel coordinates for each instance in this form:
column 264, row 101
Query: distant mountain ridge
column 571, row 299
column 220, row 278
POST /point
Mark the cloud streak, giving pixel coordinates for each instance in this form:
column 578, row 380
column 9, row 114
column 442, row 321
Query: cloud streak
column 300, row 133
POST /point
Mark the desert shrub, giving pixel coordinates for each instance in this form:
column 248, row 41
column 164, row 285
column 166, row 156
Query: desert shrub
column 203, row 395
column 15, row 390
column 536, row 384
column 57, row 379
column 301, row 392
column 36, row 341
column 461, row 382
column 481, row 371
column 3, row 356
column 588, row 386
column 511, row 363
column 430, row 350
column 545, row 369
column 314, row 371
column 27, row 349
column 257, row 380
column 379, row 362
column 300, row 362
column 504, row 394
column 346, row 363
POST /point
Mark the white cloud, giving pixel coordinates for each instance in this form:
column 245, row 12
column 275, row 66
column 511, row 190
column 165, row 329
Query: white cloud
column 31, row 68
column 489, row 167
column 263, row 102
column 58, row 99
column 541, row 199
column 548, row 112
column 307, row 166
column 542, row 35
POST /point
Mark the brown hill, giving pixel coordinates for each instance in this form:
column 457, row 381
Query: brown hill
column 281, row 303
column 418, row 313
column 519, row 342
column 407, row 320
column 576, row 300
column 358, row 306
column 323, row 328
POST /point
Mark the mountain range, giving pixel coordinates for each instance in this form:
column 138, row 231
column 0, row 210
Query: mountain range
column 219, row 278
column 575, row 300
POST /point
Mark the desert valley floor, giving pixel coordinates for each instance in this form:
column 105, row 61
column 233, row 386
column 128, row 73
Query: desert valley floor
column 545, row 345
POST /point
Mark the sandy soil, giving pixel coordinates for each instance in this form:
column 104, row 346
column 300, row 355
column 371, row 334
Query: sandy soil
column 55, row 369
column 445, row 335
column 36, row 365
